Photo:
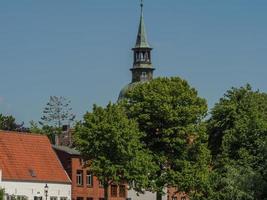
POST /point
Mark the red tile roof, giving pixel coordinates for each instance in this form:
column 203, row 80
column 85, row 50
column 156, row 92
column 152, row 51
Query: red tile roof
column 29, row 157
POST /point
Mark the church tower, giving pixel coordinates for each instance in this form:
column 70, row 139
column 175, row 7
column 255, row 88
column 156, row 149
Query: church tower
column 142, row 69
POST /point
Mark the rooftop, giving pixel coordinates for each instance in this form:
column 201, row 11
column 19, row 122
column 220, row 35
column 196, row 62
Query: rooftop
column 29, row 157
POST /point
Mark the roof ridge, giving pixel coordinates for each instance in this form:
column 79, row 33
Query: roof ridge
column 21, row 133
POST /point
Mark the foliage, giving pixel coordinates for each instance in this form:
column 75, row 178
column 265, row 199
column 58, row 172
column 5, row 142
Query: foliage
column 238, row 140
column 8, row 123
column 2, row 193
column 112, row 142
column 170, row 114
column 44, row 130
column 57, row 112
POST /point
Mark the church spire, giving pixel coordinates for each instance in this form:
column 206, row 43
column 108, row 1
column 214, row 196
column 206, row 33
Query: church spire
column 142, row 66
column 142, row 69
column 141, row 41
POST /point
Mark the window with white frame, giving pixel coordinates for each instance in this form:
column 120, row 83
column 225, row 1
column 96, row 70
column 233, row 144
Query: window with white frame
column 79, row 177
column 89, row 179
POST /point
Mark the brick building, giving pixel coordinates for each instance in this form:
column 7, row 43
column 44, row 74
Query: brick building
column 85, row 186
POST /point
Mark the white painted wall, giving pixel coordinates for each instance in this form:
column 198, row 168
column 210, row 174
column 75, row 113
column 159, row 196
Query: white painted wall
column 146, row 196
column 31, row 189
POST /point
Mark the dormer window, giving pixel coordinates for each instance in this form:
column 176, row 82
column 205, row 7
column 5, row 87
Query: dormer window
column 32, row 173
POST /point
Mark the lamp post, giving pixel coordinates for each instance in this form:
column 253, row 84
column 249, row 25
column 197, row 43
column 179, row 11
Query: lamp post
column 46, row 191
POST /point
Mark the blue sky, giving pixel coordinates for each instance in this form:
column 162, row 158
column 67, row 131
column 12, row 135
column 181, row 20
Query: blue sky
column 81, row 49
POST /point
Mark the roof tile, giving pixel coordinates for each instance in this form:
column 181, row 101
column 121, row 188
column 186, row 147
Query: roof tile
column 29, row 157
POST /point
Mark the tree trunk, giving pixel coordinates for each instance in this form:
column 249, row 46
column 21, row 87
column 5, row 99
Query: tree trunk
column 159, row 196
column 106, row 197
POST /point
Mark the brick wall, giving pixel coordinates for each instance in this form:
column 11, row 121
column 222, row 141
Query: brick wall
column 72, row 164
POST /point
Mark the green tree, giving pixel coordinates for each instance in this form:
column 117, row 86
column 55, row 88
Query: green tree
column 110, row 142
column 238, row 141
column 2, row 193
column 8, row 123
column 170, row 113
column 44, row 130
column 56, row 114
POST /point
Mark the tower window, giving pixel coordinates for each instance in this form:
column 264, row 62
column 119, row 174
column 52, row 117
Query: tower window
column 143, row 76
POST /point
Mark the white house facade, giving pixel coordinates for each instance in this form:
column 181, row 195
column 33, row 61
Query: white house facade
column 36, row 191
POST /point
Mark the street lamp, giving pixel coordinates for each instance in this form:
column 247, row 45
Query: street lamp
column 46, row 191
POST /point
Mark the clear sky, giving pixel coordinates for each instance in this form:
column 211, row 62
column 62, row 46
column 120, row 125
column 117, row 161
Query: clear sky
column 80, row 49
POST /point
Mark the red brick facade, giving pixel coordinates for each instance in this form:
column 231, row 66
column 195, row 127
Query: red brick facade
column 85, row 186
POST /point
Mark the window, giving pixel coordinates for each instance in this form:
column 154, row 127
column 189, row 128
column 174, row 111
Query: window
column 143, row 76
column 53, row 198
column 122, row 192
column 183, row 198
column 79, row 198
column 79, row 177
column 174, row 198
column 37, row 198
column 113, row 190
column 101, row 198
column 101, row 184
column 20, row 197
column 90, row 198
column 63, row 198
column 89, row 178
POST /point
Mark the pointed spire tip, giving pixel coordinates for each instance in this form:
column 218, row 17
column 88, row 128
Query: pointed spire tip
column 141, row 41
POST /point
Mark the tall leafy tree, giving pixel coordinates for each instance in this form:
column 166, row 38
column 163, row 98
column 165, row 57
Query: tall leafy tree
column 110, row 142
column 170, row 113
column 238, row 141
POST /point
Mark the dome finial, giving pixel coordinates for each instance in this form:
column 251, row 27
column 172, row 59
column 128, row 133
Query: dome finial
column 142, row 5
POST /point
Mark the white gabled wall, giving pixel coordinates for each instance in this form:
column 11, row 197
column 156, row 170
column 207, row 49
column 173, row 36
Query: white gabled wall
column 31, row 189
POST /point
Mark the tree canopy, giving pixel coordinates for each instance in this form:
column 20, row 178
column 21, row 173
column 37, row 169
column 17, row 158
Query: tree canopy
column 238, row 141
column 170, row 113
column 57, row 112
column 110, row 142
column 8, row 123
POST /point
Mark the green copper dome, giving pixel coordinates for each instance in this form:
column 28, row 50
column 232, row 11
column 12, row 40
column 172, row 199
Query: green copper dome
column 126, row 88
